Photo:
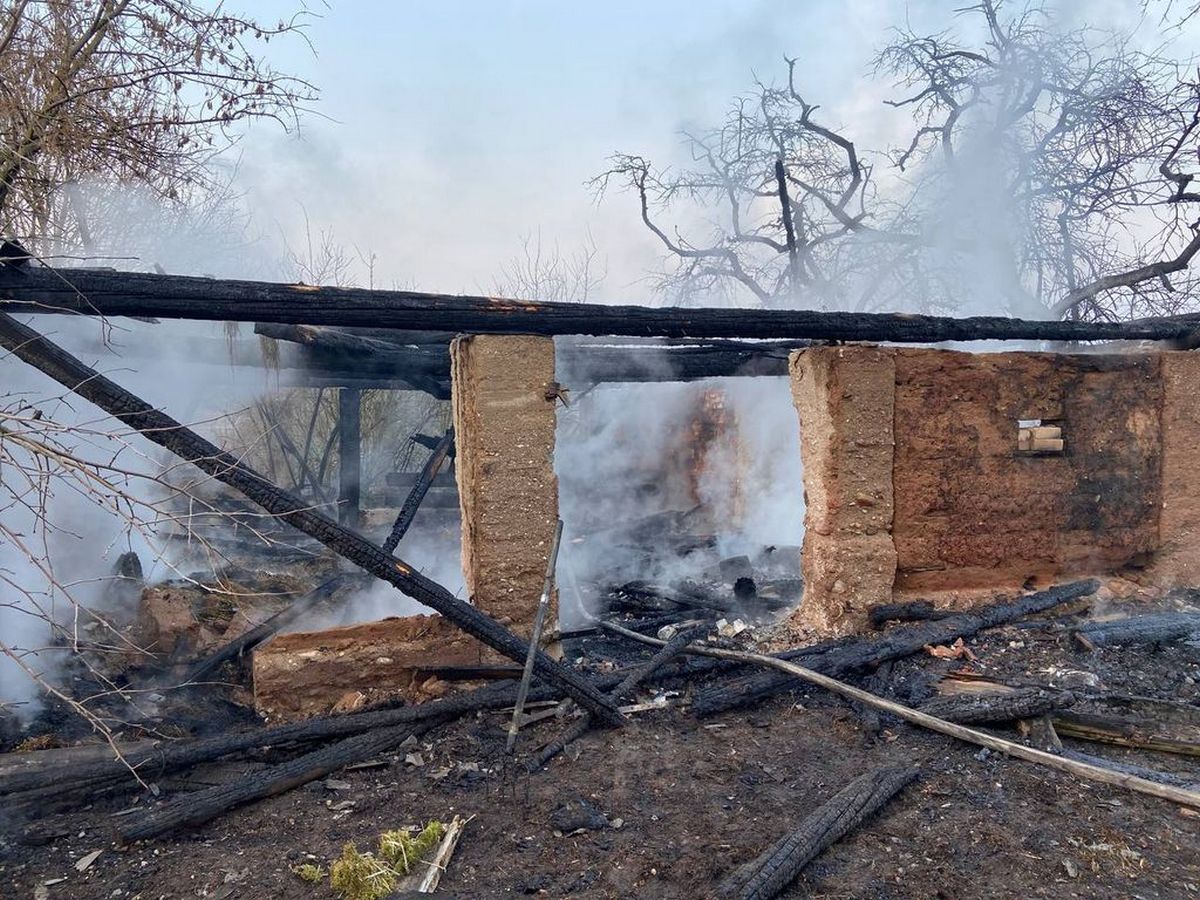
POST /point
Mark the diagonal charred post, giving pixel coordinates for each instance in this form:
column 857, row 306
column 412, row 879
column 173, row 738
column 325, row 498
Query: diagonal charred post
column 443, row 450
column 43, row 354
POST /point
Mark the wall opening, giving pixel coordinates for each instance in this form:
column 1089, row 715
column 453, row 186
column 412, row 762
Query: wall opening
column 679, row 487
column 1040, row 437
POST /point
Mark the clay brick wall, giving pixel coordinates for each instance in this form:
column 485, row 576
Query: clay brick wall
column 845, row 400
column 970, row 511
column 1178, row 560
column 504, row 434
column 914, row 481
column 313, row 673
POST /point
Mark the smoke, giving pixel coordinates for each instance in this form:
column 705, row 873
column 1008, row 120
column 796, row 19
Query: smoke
column 66, row 529
column 645, row 467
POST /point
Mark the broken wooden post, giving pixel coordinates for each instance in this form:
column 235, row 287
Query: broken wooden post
column 444, row 449
column 34, row 349
column 349, row 456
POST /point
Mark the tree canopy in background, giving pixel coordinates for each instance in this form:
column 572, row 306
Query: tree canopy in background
column 143, row 92
column 1045, row 171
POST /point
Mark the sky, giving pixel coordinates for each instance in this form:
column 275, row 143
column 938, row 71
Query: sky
column 446, row 133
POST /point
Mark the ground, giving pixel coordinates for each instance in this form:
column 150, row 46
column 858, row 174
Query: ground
column 687, row 800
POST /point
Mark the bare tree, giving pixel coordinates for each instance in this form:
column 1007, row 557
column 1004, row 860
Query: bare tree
column 546, row 273
column 93, row 95
column 143, row 91
column 1047, row 171
column 784, row 188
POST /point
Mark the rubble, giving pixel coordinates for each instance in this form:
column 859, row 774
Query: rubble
column 305, row 674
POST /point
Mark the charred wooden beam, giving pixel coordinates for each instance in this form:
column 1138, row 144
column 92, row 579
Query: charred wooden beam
column 198, row 807
column 896, row 643
column 1138, row 733
column 916, row 611
column 1000, row 706
column 413, row 501
column 1151, row 629
column 110, row 293
column 34, row 349
column 769, row 874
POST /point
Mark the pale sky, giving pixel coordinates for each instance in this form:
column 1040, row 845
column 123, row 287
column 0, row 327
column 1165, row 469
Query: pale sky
column 446, row 132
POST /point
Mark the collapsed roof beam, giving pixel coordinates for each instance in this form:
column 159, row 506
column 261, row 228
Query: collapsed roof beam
column 111, row 293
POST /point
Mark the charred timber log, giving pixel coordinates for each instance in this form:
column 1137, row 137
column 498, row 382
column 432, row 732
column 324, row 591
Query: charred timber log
column 670, row 651
column 255, row 636
column 340, row 355
column 413, row 501
column 151, row 762
column 34, row 349
column 971, row 709
column 198, row 807
column 1122, row 732
column 917, row 611
column 1152, row 629
column 774, row 870
column 896, row 643
column 109, row 293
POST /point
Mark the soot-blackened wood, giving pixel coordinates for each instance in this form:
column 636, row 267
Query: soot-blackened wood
column 896, row 643
column 151, row 762
column 198, row 807
column 917, row 611
column 769, row 874
column 161, row 429
column 255, row 636
column 1141, row 734
column 671, row 650
column 101, row 292
column 349, row 456
column 970, row 709
column 1152, row 629
column 413, row 501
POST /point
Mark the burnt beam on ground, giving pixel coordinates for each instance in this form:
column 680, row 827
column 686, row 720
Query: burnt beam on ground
column 112, row 293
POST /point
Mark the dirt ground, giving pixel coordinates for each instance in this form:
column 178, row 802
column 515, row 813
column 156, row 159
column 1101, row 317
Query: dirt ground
column 679, row 802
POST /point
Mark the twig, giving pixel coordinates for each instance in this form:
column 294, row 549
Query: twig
column 539, row 621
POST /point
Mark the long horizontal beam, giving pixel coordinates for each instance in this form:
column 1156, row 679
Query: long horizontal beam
column 111, row 293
